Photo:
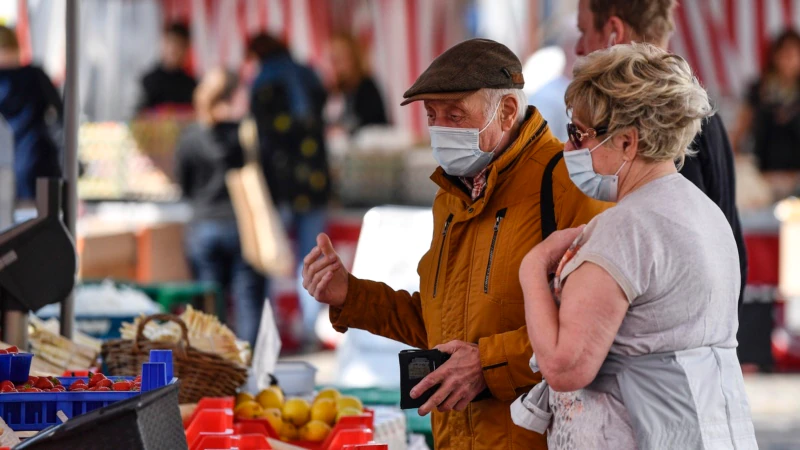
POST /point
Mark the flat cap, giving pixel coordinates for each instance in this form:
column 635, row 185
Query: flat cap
column 465, row 68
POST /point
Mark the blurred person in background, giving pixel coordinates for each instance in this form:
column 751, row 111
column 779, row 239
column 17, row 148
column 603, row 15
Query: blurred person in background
column 361, row 102
column 206, row 151
column 771, row 115
column 286, row 102
column 168, row 83
column 638, row 344
column 604, row 23
column 33, row 109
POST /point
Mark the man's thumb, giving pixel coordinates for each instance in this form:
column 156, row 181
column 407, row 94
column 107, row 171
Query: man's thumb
column 324, row 243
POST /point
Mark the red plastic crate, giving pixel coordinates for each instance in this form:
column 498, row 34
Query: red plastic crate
column 366, row 447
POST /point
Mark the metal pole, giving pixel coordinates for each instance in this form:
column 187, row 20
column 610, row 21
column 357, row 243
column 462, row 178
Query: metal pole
column 71, row 119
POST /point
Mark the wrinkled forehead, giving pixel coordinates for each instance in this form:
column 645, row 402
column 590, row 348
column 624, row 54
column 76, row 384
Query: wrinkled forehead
column 474, row 104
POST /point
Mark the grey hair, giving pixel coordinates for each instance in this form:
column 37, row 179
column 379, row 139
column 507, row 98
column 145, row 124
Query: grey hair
column 493, row 96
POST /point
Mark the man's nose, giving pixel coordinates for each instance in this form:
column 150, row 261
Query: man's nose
column 579, row 48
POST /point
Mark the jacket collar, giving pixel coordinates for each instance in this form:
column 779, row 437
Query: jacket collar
column 533, row 129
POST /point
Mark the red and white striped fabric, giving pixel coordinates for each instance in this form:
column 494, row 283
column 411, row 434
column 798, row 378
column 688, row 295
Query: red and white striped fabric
column 726, row 41
column 403, row 36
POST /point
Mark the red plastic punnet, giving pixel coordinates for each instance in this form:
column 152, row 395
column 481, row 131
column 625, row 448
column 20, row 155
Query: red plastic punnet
column 209, row 421
column 210, row 403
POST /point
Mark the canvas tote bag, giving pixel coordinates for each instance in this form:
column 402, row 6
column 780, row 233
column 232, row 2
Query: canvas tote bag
column 264, row 242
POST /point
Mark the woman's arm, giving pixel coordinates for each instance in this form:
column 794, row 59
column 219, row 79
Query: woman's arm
column 570, row 343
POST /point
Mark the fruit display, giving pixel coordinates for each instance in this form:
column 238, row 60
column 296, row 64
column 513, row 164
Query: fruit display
column 298, row 418
column 129, row 161
column 206, row 333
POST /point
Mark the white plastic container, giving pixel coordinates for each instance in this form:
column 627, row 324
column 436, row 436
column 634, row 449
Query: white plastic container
column 296, row 378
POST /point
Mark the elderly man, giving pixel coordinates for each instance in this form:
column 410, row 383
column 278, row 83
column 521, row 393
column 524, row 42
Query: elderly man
column 503, row 187
column 603, row 23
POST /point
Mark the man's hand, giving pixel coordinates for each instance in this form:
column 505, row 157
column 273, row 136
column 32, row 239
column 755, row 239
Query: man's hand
column 324, row 275
column 461, row 379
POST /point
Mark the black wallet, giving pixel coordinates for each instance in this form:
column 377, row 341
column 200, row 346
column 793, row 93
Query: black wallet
column 416, row 365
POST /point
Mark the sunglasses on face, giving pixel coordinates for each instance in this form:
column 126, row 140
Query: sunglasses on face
column 577, row 136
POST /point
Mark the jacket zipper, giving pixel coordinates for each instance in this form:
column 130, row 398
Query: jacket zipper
column 498, row 218
column 441, row 251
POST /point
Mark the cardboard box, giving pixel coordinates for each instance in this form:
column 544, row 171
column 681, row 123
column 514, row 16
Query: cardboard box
column 107, row 254
column 160, row 254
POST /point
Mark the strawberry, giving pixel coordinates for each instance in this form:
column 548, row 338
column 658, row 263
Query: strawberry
column 77, row 390
column 6, row 383
column 105, row 383
column 95, row 378
column 32, row 380
column 3, row 352
column 12, row 349
column 103, row 389
column 92, row 389
column 122, row 386
column 55, row 381
column 33, row 389
column 43, row 383
column 59, row 388
column 7, row 388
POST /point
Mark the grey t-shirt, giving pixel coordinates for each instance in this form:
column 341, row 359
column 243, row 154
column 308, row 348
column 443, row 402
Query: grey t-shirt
column 672, row 252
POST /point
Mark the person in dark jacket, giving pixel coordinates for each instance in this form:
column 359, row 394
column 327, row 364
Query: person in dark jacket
column 603, row 24
column 363, row 104
column 286, row 102
column 33, row 109
column 206, row 151
column 168, row 83
column 771, row 115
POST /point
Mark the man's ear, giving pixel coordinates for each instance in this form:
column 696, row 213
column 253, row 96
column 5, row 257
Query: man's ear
column 617, row 31
column 509, row 111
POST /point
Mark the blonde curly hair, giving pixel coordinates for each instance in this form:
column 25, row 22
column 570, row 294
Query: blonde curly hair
column 644, row 87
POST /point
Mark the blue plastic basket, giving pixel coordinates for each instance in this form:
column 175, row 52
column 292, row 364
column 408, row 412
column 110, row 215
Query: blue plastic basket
column 34, row 411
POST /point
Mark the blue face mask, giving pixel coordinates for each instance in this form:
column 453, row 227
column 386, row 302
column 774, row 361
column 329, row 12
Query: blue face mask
column 458, row 150
column 581, row 172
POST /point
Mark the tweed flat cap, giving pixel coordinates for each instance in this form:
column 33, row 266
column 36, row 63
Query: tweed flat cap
column 466, row 67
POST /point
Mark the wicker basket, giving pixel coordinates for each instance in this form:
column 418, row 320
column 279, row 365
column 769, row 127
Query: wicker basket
column 202, row 374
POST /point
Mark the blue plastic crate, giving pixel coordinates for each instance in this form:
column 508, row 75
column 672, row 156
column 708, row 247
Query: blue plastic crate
column 34, row 411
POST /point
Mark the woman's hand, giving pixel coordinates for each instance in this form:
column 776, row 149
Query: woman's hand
column 548, row 253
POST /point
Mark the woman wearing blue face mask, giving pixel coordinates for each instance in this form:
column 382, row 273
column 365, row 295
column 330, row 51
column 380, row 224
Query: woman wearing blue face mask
column 637, row 340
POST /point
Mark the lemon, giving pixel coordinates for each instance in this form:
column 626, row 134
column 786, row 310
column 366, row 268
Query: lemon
column 289, row 432
column 297, row 411
column 330, row 393
column 242, row 397
column 324, row 410
column 348, row 401
column 248, row 410
column 274, row 417
column 347, row 412
column 315, row 431
column 269, row 398
column 278, row 391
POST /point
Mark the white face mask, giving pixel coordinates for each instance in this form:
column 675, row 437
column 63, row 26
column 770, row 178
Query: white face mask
column 581, row 172
column 458, row 150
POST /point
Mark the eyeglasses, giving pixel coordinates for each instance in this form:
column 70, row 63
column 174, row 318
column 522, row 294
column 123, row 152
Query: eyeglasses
column 577, row 136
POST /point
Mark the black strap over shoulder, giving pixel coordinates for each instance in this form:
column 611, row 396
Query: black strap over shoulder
column 546, row 203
